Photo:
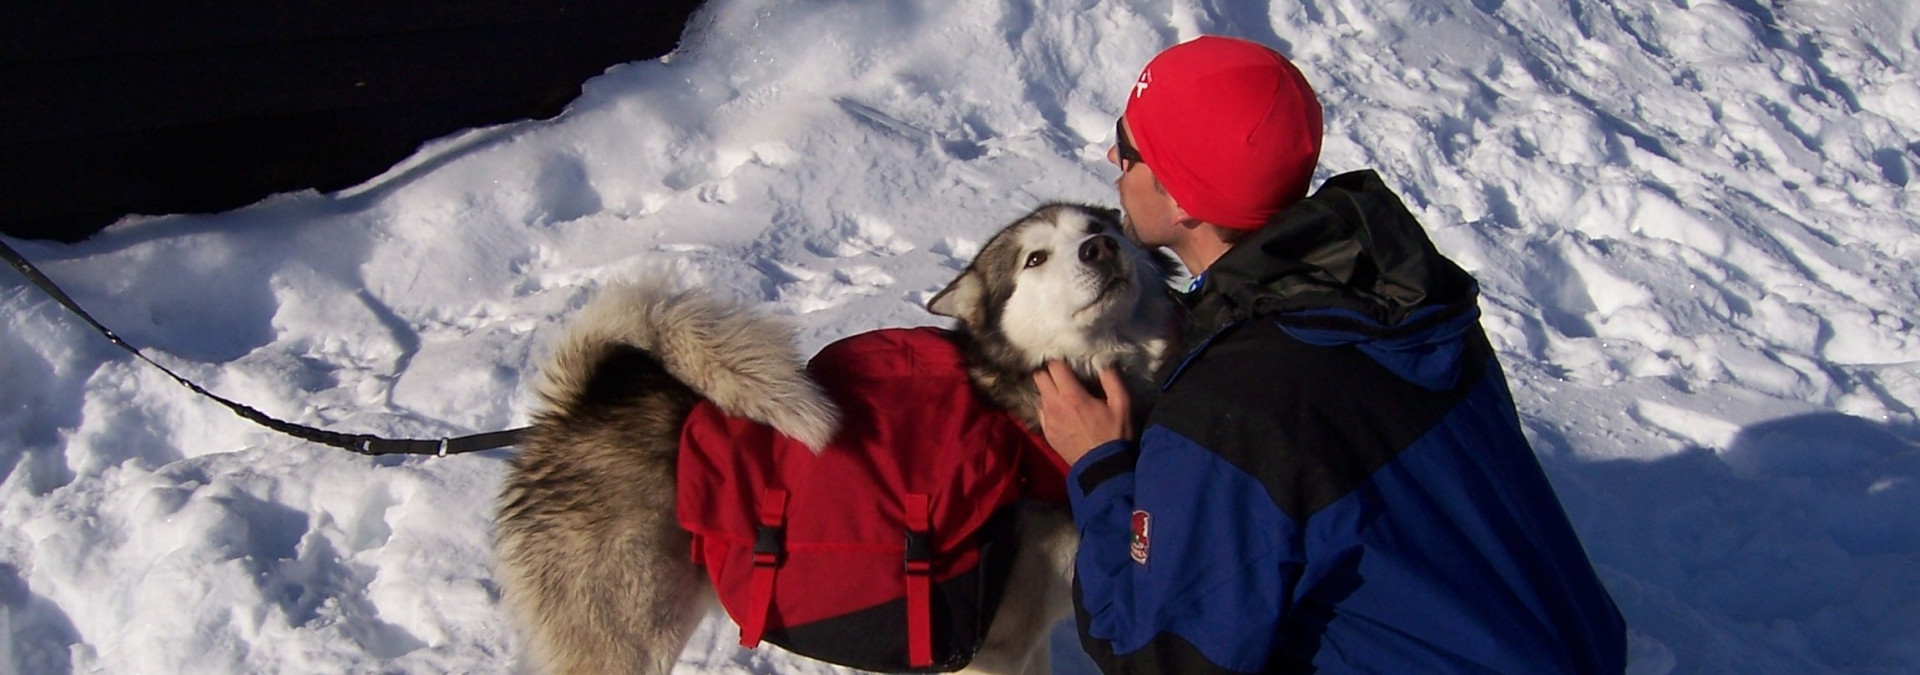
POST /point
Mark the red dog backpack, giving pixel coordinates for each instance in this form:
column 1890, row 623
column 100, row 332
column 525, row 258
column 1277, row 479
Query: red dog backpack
column 889, row 549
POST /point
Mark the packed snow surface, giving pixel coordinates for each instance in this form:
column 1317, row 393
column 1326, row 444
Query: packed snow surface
column 1694, row 222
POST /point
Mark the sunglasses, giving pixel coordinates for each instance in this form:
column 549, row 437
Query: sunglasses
column 1129, row 155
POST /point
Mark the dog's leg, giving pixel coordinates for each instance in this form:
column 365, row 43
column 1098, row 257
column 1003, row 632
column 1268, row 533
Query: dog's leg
column 599, row 587
column 616, row 607
column 1038, row 595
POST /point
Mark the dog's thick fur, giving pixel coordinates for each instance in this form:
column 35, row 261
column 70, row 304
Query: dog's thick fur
column 593, row 563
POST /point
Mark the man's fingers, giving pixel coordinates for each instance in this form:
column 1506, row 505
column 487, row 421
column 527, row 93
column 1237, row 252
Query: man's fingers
column 1061, row 372
column 1072, row 419
column 1057, row 382
column 1115, row 387
column 1043, row 380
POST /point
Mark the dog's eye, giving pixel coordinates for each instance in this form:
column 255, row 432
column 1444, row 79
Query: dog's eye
column 1036, row 259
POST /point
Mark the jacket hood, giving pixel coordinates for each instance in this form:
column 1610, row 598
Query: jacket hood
column 1347, row 265
column 1351, row 251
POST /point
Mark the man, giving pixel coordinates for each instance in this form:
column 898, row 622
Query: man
column 1334, row 478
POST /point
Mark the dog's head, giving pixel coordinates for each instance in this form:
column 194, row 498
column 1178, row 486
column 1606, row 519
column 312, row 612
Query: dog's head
column 1063, row 282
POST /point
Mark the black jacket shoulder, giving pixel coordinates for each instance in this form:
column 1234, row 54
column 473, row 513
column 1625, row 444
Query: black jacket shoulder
column 1352, row 247
column 1309, row 421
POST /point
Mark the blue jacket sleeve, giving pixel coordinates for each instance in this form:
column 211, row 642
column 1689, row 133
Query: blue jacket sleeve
column 1184, row 562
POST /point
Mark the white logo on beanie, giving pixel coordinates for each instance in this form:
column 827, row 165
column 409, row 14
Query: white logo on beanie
column 1146, row 78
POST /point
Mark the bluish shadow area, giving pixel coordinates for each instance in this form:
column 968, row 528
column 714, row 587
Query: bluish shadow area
column 1893, row 166
column 38, row 635
column 1794, row 549
column 1556, row 286
column 198, row 287
column 39, row 403
column 1863, row 479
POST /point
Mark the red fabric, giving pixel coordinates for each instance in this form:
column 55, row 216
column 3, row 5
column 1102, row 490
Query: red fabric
column 919, row 589
column 911, row 423
column 1230, row 127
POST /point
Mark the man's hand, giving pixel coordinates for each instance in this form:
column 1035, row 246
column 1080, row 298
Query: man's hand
column 1073, row 420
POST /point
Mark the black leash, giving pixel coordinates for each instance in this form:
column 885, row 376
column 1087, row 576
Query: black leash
column 361, row 443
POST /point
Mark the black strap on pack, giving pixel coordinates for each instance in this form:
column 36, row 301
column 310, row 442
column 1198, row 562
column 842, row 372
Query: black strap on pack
column 361, row 443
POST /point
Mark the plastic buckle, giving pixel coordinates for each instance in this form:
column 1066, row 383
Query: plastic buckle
column 767, row 545
column 919, row 552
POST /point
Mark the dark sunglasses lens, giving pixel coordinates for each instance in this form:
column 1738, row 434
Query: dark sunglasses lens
column 1126, row 150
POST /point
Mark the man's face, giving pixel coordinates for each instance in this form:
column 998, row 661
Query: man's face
column 1149, row 211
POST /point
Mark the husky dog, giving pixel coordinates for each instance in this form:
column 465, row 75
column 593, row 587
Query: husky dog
column 595, row 566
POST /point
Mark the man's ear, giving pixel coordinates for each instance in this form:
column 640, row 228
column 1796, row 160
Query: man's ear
column 1180, row 215
column 960, row 299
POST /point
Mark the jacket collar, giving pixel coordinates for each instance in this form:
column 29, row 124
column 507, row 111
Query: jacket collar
column 1350, row 254
column 1348, row 265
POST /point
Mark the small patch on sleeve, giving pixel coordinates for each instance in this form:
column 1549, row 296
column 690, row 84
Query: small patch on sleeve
column 1142, row 536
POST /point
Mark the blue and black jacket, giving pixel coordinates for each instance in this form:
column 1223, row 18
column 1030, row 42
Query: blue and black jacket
column 1334, row 478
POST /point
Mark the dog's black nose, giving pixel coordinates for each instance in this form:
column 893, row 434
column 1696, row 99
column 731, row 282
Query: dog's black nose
column 1101, row 247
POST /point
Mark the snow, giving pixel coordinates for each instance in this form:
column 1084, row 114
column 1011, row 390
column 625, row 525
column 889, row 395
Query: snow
column 1695, row 223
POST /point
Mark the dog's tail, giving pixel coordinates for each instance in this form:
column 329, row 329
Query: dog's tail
column 741, row 360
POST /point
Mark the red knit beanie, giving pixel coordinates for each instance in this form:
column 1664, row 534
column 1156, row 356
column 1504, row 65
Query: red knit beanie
column 1229, row 127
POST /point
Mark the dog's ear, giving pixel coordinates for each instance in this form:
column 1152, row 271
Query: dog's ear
column 960, row 299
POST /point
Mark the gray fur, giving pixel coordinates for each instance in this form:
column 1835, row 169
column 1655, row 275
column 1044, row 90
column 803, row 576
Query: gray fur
column 742, row 360
column 592, row 561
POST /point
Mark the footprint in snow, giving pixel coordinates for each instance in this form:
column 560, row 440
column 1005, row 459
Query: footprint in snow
column 854, row 235
column 807, row 291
